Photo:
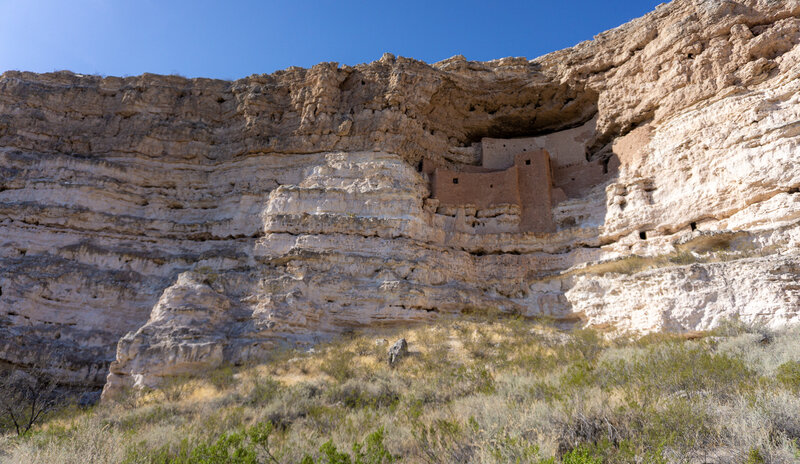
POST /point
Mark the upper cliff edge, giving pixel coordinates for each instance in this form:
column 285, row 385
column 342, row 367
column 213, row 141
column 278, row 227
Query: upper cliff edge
column 154, row 225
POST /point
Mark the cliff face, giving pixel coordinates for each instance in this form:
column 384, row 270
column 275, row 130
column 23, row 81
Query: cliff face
column 169, row 225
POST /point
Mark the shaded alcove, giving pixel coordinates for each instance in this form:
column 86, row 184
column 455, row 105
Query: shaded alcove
column 534, row 118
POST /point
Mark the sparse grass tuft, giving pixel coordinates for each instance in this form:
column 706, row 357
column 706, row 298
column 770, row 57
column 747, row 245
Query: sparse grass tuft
column 713, row 251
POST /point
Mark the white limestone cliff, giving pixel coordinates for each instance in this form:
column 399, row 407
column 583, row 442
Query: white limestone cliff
column 154, row 225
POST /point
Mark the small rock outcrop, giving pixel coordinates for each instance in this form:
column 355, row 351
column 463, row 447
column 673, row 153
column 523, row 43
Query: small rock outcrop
column 156, row 225
column 397, row 351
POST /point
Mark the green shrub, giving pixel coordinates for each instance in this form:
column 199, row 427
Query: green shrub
column 510, row 448
column 587, row 344
column 581, row 455
column 476, row 380
column 146, row 415
column 443, row 441
column 754, row 457
column 264, row 390
column 222, row 377
column 339, row 366
column 293, row 403
column 229, row 448
column 325, row 418
column 536, row 393
column 243, row 447
column 788, row 375
column 680, row 424
column 579, row 375
column 334, row 456
column 176, row 387
column 677, row 368
column 259, row 436
column 358, row 394
column 372, row 451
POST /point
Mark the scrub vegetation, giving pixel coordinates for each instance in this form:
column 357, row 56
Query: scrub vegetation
column 472, row 389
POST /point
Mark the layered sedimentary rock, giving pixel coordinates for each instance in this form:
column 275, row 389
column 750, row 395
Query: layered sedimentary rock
column 170, row 225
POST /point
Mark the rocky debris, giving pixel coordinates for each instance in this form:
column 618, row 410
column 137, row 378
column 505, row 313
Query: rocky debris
column 397, row 351
column 194, row 222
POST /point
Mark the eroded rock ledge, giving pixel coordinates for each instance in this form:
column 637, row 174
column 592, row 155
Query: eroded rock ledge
column 170, row 225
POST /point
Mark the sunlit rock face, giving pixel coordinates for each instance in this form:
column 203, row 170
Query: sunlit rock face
column 155, row 225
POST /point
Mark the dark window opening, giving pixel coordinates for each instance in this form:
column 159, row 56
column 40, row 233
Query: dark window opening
column 491, row 185
column 363, row 83
column 528, row 162
column 455, row 180
column 472, row 107
column 524, row 149
column 693, row 226
column 419, row 166
column 643, row 235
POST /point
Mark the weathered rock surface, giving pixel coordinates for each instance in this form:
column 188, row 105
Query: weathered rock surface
column 397, row 351
column 693, row 297
column 170, row 225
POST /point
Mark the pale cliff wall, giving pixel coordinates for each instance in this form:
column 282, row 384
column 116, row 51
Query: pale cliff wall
column 174, row 224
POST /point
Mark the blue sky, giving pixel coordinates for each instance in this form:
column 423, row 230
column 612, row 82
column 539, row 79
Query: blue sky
column 233, row 39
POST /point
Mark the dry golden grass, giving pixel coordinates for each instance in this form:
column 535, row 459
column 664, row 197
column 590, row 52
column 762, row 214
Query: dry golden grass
column 472, row 389
column 704, row 249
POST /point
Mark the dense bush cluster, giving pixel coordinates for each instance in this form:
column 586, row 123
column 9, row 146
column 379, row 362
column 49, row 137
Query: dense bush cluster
column 472, row 389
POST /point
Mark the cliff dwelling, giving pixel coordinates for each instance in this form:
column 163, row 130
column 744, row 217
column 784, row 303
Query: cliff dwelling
column 523, row 176
column 196, row 235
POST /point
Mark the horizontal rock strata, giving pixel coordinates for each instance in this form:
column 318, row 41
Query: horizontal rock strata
column 156, row 225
